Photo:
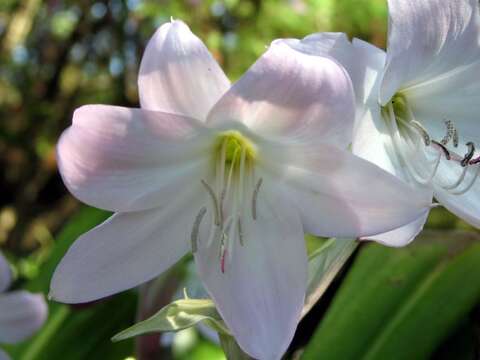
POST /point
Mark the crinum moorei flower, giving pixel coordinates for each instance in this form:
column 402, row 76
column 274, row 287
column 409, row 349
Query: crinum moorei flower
column 21, row 313
column 235, row 173
column 417, row 103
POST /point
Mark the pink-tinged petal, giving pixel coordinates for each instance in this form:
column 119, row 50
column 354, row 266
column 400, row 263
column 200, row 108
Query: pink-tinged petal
column 5, row 274
column 21, row 315
column 178, row 74
column 261, row 293
column 341, row 195
column 123, row 159
column 363, row 61
column 428, row 39
column 401, row 236
column 126, row 250
column 291, row 95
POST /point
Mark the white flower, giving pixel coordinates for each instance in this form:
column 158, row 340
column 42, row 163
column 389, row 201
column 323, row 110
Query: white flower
column 418, row 105
column 21, row 313
column 236, row 174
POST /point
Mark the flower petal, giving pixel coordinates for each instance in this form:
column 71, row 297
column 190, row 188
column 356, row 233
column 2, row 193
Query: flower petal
column 455, row 96
column 363, row 61
column 466, row 206
column 261, row 294
column 289, row 94
column 4, row 355
column 341, row 195
column 372, row 142
column 5, row 274
column 21, row 314
column 401, row 236
column 125, row 251
column 178, row 74
column 426, row 39
column 123, row 159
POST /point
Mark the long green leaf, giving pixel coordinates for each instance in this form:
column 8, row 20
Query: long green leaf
column 401, row 303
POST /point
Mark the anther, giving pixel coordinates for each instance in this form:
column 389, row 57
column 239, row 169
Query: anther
column 240, row 231
column 469, row 155
column 215, row 202
column 455, row 138
column 443, row 148
column 254, row 198
column 450, row 132
column 223, row 252
column 196, row 228
column 423, row 132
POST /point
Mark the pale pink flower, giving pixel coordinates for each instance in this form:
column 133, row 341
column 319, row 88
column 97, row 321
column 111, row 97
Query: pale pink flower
column 21, row 313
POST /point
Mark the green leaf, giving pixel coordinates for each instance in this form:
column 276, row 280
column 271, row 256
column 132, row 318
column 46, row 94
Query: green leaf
column 323, row 265
column 401, row 303
column 178, row 315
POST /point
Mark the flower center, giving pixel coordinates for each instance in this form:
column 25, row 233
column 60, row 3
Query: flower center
column 421, row 155
column 233, row 189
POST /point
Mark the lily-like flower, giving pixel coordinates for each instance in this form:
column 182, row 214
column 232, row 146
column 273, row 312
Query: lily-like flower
column 21, row 313
column 418, row 104
column 236, row 174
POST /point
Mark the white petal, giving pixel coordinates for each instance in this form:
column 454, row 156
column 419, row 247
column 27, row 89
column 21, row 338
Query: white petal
column 372, row 142
column 5, row 274
column 289, row 94
column 455, row 96
column 466, row 206
column 125, row 251
column 401, row 236
column 427, row 39
column 261, row 294
column 21, row 315
column 123, row 159
column 178, row 74
column 342, row 195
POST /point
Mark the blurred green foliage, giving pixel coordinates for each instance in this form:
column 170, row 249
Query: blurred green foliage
column 56, row 55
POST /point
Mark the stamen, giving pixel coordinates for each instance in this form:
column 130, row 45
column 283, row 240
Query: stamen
column 455, row 138
column 223, row 252
column 422, row 130
column 474, row 161
column 469, row 186
column 240, row 231
column 450, row 130
column 222, row 261
column 469, row 155
column 443, row 148
column 459, row 180
column 254, row 199
column 196, row 228
column 215, row 202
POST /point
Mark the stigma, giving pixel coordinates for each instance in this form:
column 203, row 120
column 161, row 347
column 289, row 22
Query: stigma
column 421, row 154
column 230, row 192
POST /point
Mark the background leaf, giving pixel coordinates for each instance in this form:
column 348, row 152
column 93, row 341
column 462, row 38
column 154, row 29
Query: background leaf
column 401, row 303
